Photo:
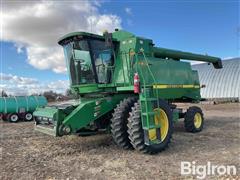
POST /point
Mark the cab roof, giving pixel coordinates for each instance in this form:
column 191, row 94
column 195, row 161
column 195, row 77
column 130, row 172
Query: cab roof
column 80, row 33
column 118, row 35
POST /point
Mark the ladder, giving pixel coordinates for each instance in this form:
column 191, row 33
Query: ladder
column 148, row 98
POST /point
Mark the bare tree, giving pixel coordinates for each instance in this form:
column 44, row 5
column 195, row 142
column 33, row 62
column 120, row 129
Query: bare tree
column 50, row 95
column 71, row 95
column 4, row 94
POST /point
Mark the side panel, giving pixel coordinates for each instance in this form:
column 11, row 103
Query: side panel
column 122, row 72
column 90, row 110
column 172, row 79
column 63, row 120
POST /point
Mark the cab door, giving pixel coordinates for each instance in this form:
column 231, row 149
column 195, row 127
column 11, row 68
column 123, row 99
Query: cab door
column 104, row 60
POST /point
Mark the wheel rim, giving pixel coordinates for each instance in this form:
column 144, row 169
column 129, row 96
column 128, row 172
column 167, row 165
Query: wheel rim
column 14, row 118
column 160, row 119
column 197, row 120
column 28, row 116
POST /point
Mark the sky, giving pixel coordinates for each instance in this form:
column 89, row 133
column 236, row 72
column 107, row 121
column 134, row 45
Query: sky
column 33, row 62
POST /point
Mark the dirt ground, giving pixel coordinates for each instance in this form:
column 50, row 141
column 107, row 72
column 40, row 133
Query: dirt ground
column 26, row 154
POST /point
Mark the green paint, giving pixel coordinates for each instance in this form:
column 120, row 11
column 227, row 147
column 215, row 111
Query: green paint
column 90, row 110
column 102, row 75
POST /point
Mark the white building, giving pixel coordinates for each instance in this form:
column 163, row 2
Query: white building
column 221, row 84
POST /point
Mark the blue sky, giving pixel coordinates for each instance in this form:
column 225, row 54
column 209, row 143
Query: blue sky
column 197, row 26
column 203, row 27
column 16, row 63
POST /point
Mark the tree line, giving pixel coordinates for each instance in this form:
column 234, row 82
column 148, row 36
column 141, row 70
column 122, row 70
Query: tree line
column 50, row 95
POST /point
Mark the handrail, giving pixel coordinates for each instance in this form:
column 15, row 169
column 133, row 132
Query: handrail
column 151, row 74
column 144, row 87
column 123, row 69
column 154, row 80
column 145, row 59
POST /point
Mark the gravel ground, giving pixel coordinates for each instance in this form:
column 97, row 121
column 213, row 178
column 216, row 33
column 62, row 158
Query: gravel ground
column 26, row 154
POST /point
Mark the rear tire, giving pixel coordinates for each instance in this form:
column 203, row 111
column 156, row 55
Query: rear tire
column 28, row 116
column 194, row 120
column 136, row 132
column 13, row 118
column 119, row 122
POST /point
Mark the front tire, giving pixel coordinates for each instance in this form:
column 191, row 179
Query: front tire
column 13, row 118
column 119, row 122
column 136, row 132
column 194, row 120
column 28, row 116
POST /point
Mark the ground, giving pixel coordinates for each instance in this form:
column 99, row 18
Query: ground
column 26, row 154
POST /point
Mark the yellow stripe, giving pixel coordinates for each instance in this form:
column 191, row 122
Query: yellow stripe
column 165, row 86
column 160, row 86
column 188, row 86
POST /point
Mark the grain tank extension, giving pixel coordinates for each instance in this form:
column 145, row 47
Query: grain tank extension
column 20, row 107
column 128, row 86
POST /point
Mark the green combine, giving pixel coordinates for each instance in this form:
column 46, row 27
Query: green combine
column 127, row 86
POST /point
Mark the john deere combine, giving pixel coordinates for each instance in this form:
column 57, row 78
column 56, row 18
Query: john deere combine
column 127, row 85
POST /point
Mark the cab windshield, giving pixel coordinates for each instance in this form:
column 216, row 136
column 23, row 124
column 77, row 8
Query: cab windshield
column 88, row 61
column 78, row 62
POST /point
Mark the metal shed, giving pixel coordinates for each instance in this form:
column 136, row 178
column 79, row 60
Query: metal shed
column 221, row 84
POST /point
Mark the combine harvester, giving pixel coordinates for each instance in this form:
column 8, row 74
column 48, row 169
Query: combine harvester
column 127, row 85
column 20, row 107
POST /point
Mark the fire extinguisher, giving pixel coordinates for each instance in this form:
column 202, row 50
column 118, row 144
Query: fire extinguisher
column 136, row 83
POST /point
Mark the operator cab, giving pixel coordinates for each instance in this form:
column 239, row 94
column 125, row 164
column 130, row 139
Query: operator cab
column 89, row 59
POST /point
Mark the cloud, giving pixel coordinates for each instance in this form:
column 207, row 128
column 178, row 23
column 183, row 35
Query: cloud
column 16, row 85
column 128, row 10
column 58, row 86
column 36, row 27
column 229, row 57
column 16, row 79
